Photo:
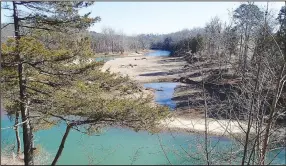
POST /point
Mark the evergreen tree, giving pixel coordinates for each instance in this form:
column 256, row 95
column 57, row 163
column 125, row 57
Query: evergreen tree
column 49, row 71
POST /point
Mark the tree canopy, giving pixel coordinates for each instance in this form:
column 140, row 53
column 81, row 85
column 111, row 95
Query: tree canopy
column 50, row 72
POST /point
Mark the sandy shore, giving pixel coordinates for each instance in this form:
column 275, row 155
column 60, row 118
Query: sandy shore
column 145, row 69
column 215, row 127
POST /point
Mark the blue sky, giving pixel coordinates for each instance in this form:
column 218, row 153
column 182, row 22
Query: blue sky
column 159, row 17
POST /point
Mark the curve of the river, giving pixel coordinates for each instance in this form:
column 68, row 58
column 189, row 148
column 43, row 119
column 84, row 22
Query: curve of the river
column 125, row 146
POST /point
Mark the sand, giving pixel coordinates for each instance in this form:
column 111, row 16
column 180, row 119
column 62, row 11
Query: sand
column 215, row 127
column 145, row 69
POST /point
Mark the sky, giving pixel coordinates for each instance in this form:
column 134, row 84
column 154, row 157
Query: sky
column 159, row 17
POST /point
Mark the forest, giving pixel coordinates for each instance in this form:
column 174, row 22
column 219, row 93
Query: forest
column 231, row 72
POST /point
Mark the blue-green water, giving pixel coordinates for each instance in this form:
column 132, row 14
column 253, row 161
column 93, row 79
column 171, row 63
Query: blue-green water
column 164, row 92
column 124, row 146
column 121, row 146
column 158, row 53
column 118, row 146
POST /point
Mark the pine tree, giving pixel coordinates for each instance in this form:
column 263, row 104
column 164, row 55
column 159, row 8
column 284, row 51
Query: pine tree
column 49, row 71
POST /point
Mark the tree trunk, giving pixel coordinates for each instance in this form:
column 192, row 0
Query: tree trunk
column 17, row 133
column 278, row 89
column 254, row 99
column 245, row 51
column 27, row 131
column 240, row 50
column 61, row 147
column 112, row 49
column 206, row 121
column 284, row 33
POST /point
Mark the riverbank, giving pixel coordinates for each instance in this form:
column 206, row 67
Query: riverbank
column 146, row 69
column 215, row 127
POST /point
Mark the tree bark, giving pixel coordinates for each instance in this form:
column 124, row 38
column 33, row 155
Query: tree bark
column 61, row 147
column 245, row 51
column 27, row 131
column 17, row 133
column 240, row 51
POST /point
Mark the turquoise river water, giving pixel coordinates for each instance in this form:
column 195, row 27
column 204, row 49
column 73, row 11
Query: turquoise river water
column 125, row 146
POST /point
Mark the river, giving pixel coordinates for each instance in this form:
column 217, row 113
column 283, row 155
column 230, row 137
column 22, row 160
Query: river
column 125, row 146
column 158, row 53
